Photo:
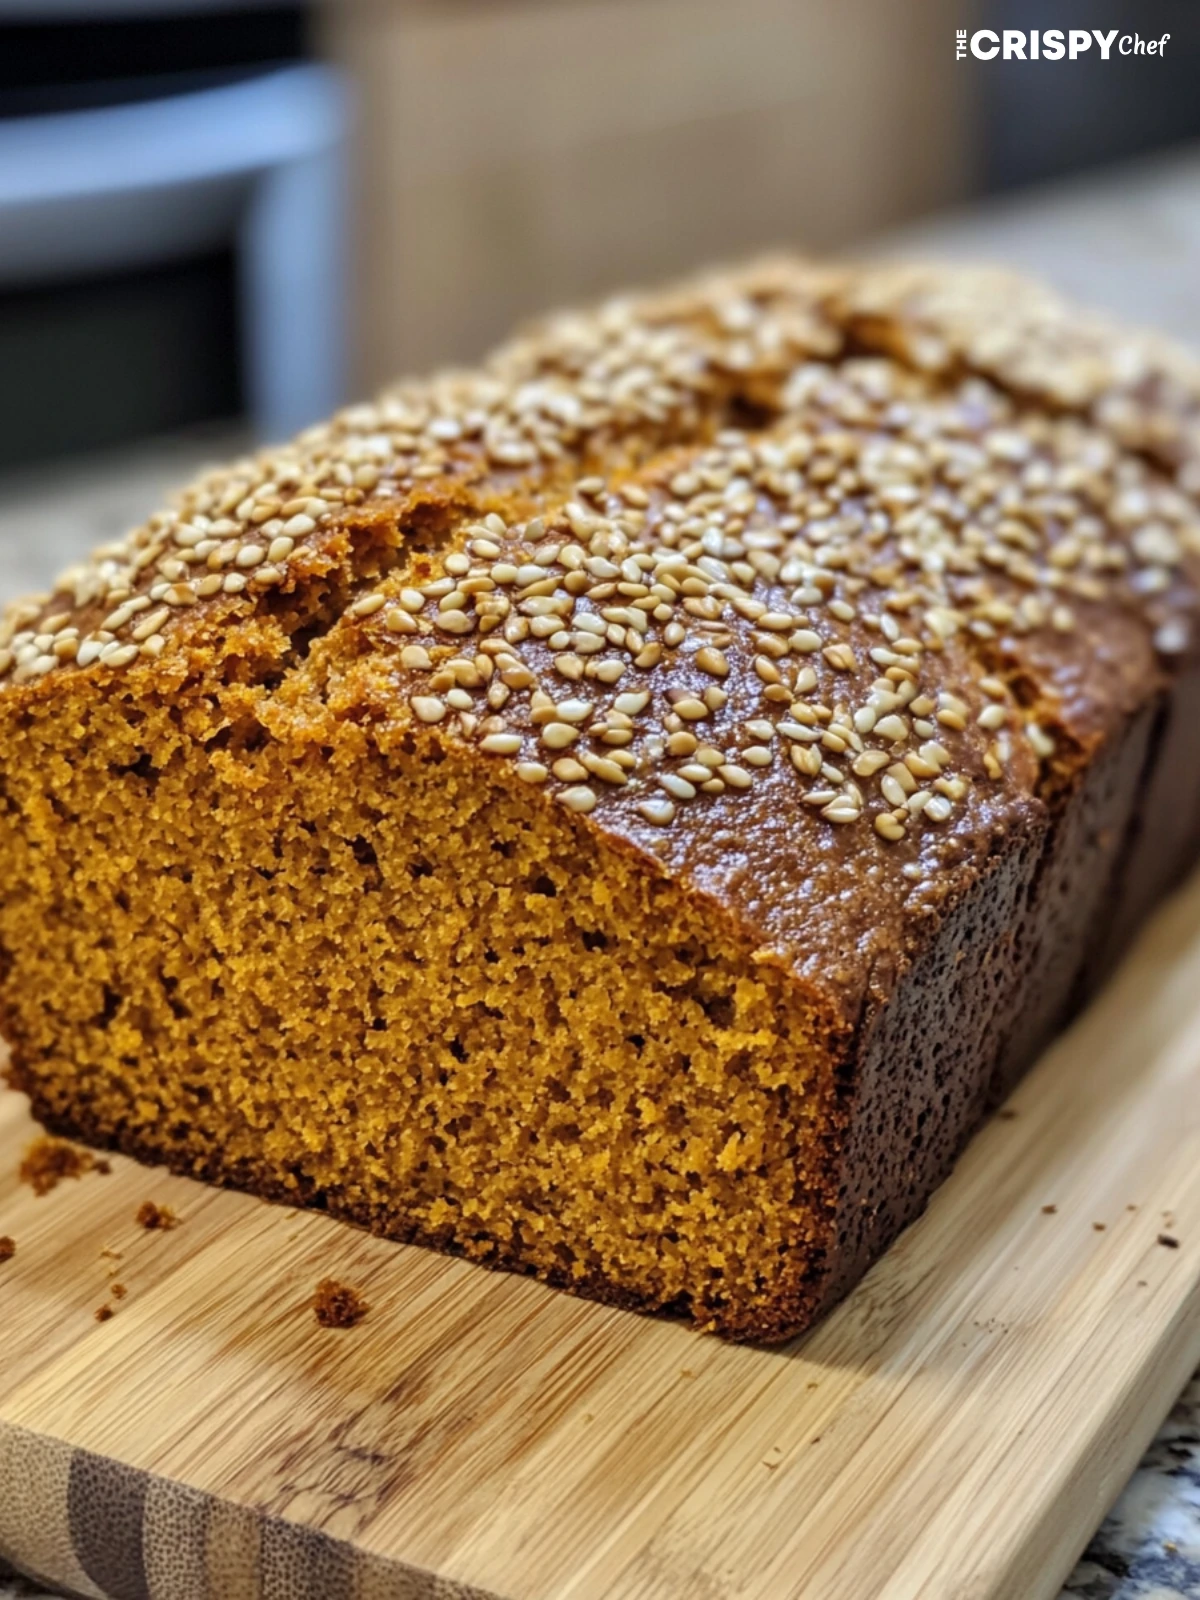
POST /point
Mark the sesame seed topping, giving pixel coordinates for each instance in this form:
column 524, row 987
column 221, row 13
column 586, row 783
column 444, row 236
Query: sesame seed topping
column 579, row 798
column 809, row 609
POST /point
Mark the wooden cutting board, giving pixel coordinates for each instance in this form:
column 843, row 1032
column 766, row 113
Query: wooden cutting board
column 956, row 1429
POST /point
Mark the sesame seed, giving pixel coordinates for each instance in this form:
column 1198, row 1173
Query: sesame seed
column 501, row 744
column 150, row 623
column 690, row 709
column 658, row 812
column 841, row 812
column 428, row 707
column 531, row 772
column 604, row 768
column 712, row 661
column 887, row 826
column 869, row 763
column 573, row 710
column 631, row 703
column 558, row 735
column 367, row 606
column 454, row 622
column 567, row 770
column 580, row 798
column 678, row 787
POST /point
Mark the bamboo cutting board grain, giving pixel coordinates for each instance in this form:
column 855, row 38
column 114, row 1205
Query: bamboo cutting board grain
column 954, row 1432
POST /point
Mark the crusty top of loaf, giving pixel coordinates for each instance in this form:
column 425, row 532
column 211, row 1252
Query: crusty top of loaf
column 867, row 559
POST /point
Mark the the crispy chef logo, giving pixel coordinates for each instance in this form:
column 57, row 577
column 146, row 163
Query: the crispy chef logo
column 1053, row 44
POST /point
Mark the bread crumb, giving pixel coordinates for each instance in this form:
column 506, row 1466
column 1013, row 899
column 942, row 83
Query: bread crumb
column 48, row 1161
column 1099, row 1226
column 1169, row 1241
column 337, row 1305
column 8, row 1247
column 102, row 1313
column 155, row 1218
column 1007, row 1115
column 1049, row 1211
column 118, row 1291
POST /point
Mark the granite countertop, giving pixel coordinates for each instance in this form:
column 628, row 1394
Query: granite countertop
column 1130, row 242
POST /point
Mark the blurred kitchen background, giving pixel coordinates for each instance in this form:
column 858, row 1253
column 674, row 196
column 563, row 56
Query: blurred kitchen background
column 217, row 219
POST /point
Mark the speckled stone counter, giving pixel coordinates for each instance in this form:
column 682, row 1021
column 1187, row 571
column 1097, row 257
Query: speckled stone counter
column 1148, row 1547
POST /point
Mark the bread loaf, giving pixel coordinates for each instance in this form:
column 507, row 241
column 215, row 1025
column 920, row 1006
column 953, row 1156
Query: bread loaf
column 624, row 813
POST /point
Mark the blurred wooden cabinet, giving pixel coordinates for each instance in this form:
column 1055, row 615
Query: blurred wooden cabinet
column 518, row 154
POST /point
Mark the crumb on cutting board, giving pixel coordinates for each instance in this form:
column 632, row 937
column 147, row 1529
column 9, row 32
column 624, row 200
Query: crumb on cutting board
column 48, row 1161
column 337, row 1305
column 155, row 1218
column 102, row 1313
column 1169, row 1241
column 118, row 1291
column 8, row 1247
